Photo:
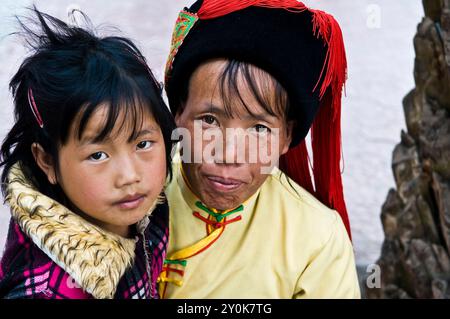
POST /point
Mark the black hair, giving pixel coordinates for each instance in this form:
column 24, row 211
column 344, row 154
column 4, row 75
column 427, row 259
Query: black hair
column 72, row 72
column 234, row 71
column 277, row 105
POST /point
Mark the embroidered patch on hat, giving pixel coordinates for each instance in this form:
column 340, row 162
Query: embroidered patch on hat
column 183, row 25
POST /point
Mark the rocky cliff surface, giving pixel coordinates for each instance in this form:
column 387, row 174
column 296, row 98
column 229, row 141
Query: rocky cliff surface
column 415, row 259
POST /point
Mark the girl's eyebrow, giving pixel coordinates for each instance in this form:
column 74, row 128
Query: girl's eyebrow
column 146, row 131
column 91, row 139
column 94, row 139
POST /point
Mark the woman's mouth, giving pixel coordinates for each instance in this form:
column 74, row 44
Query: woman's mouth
column 130, row 202
column 221, row 184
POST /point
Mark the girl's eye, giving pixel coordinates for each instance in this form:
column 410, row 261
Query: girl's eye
column 209, row 119
column 144, row 145
column 98, row 156
column 261, row 129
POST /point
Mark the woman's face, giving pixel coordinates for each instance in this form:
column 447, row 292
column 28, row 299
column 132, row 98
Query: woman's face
column 113, row 182
column 225, row 182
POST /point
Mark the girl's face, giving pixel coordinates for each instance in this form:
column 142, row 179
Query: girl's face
column 114, row 182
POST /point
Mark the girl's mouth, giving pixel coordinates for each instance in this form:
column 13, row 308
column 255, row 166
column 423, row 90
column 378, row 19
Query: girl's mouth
column 130, row 201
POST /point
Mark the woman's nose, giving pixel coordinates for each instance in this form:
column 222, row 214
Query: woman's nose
column 235, row 149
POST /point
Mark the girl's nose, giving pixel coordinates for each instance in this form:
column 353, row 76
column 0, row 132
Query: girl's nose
column 127, row 172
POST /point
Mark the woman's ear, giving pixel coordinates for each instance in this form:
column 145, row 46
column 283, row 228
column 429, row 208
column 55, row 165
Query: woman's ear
column 178, row 115
column 287, row 141
column 177, row 118
column 45, row 162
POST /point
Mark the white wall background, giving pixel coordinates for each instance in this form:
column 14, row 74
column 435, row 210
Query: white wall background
column 378, row 35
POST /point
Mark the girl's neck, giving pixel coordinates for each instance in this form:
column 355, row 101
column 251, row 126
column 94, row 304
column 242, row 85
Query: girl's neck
column 123, row 231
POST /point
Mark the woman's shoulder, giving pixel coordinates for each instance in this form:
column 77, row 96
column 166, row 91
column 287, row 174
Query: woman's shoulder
column 304, row 211
column 289, row 190
column 303, row 221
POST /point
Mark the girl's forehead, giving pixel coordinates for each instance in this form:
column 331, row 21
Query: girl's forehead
column 106, row 122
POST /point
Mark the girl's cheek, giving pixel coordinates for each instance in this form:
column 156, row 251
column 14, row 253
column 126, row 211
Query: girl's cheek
column 93, row 186
column 156, row 173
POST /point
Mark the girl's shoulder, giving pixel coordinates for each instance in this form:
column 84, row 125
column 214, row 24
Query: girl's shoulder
column 27, row 272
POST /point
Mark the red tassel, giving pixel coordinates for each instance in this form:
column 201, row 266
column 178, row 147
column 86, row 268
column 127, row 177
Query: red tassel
column 335, row 64
column 296, row 165
column 326, row 128
column 326, row 145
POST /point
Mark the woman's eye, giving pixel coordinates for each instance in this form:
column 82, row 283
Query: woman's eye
column 261, row 129
column 98, row 156
column 144, row 145
column 209, row 119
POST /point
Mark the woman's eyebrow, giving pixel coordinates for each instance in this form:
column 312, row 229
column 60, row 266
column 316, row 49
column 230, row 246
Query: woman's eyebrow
column 211, row 108
column 214, row 109
column 264, row 117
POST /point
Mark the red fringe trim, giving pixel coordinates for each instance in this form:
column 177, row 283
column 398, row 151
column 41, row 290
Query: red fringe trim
column 216, row 8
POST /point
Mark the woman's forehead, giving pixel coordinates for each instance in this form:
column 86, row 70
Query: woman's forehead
column 242, row 91
column 214, row 70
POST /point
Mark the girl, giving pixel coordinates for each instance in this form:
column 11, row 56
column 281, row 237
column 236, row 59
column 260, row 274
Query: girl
column 83, row 169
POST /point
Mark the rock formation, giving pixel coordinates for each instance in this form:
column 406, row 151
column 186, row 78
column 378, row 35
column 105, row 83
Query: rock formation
column 415, row 257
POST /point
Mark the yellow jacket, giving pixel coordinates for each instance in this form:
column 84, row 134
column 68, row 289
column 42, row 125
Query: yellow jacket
column 287, row 245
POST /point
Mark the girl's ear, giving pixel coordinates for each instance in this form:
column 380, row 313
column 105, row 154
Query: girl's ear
column 289, row 130
column 45, row 162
